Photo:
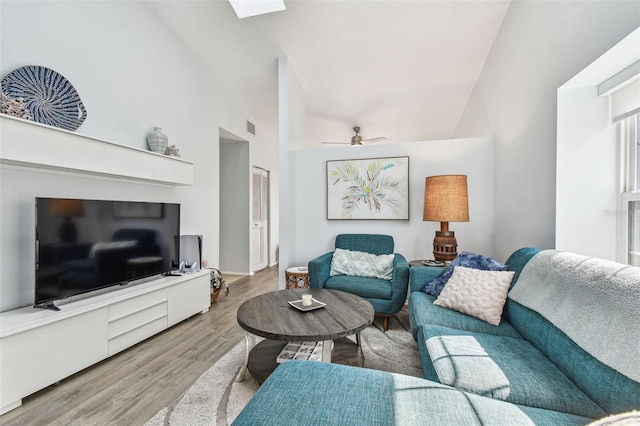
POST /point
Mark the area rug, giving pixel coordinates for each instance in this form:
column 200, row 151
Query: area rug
column 216, row 398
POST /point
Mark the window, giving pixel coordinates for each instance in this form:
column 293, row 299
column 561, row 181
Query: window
column 628, row 136
column 634, row 233
column 628, row 131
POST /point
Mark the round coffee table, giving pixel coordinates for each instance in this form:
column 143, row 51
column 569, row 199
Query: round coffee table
column 271, row 316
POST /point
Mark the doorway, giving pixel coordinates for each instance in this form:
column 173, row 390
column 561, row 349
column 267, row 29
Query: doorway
column 260, row 223
column 235, row 205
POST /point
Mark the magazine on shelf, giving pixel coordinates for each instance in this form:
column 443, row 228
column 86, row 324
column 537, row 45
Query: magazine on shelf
column 308, row 351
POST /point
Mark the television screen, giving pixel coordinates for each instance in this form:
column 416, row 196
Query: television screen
column 85, row 245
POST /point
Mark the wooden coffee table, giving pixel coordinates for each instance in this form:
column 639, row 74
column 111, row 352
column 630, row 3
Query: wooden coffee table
column 270, row 316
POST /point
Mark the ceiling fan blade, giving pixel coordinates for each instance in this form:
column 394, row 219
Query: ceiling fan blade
column 338, row 143
column 380, row 139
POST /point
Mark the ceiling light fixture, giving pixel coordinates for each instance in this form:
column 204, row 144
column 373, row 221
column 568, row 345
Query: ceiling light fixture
column 248, row 8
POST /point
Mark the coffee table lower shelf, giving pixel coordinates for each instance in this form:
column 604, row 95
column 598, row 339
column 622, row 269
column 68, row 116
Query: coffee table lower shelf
column 262, row 358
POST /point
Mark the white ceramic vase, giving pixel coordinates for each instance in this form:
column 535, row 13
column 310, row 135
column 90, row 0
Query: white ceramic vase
column 157, row 140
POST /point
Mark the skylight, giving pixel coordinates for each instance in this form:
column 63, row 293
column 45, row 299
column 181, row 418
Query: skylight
column 248, row 8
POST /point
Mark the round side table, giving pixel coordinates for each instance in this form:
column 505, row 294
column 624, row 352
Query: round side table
column 296, row 277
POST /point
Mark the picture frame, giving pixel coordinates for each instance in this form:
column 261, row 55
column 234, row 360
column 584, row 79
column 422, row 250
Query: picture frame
column 368, row 189
column 138, row 209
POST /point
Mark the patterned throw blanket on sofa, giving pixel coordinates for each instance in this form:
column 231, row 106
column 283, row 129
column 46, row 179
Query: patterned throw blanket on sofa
column 595, row 302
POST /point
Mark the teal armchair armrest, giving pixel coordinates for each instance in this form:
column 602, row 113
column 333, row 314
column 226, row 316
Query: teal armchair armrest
column 319, row 270
column 400, row 282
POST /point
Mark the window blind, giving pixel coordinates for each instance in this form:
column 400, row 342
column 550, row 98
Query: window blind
column 625, row 102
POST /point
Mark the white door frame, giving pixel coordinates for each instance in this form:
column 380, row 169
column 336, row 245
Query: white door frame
column 261, row 221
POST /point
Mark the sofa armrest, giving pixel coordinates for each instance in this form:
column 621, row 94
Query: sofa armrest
column 319, row 270
column 371, row 397
column 400, row 281
column 421, row 275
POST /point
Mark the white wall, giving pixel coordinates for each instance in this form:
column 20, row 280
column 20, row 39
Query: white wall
column 315, row 235
column 586, row 178
column 540, row 45
column 291, row 116
column 587, row 170
column 235, row 208
column 132, row 74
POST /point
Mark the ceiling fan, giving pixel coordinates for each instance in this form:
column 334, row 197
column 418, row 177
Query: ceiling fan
column 356, row 140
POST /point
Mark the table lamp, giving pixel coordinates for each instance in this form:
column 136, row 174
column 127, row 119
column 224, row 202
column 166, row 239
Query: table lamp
column 67, row 208
column 445, row 200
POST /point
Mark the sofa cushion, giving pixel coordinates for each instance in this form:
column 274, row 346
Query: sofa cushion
column 361, row 264
column 374, row 288
column 470, row 260
column 610, row 389
column 593, row 301
column 422, row 311
column 504, row 368
column 332, row 394
column 475, row 292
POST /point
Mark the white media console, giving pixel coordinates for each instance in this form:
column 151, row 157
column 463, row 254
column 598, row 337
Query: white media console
column 41, row 347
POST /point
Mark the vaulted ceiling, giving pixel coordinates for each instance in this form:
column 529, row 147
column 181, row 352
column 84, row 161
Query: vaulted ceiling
column 402, row 69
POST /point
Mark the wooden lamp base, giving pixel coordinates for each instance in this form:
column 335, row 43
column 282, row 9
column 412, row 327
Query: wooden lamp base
column 445, row 246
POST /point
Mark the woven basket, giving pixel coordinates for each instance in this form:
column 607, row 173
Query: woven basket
column 215, row 293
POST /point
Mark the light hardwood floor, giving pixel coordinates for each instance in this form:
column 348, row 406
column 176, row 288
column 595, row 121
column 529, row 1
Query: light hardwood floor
column 132, row 386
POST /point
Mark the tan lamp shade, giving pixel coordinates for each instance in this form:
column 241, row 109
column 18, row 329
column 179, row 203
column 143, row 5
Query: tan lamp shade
column 445, row 200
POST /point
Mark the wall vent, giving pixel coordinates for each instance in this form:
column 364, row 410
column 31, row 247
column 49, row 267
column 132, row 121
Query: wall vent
column 251, row 128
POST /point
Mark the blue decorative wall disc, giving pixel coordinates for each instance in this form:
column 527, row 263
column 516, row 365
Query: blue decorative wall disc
column 49, row 97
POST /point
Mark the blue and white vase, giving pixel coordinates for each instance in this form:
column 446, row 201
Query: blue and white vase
column 157, row 140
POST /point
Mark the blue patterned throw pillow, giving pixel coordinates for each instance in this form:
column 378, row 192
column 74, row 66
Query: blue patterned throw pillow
column 469, row 260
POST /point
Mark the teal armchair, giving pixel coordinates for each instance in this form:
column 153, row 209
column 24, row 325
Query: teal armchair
column 386, row 296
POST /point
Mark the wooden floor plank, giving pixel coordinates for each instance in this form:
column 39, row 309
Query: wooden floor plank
column 132, row 386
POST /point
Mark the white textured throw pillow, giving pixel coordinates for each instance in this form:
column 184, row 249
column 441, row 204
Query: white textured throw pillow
column 481, row 294
column 361, row 264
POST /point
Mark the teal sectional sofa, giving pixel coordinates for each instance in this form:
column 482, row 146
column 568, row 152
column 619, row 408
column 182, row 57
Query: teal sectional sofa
column 527, row 359
column 565, row 352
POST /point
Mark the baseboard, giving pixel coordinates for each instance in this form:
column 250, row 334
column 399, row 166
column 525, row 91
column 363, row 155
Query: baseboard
column 236, row 273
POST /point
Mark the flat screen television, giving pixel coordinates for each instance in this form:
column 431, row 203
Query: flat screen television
column 86, row 245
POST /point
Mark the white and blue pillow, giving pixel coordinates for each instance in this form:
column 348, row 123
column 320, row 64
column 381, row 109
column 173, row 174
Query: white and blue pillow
column 468, row 260
column 361, row 264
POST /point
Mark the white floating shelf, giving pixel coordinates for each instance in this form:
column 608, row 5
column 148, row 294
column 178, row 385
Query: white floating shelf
column 29, row 144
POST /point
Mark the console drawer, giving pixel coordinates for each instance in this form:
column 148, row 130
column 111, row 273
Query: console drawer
column 136, row 335
column 130, row 306
column 133, row 320
column 137, row 319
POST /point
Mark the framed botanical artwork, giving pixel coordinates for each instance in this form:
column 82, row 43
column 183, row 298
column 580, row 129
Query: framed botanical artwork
column 370, row 188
